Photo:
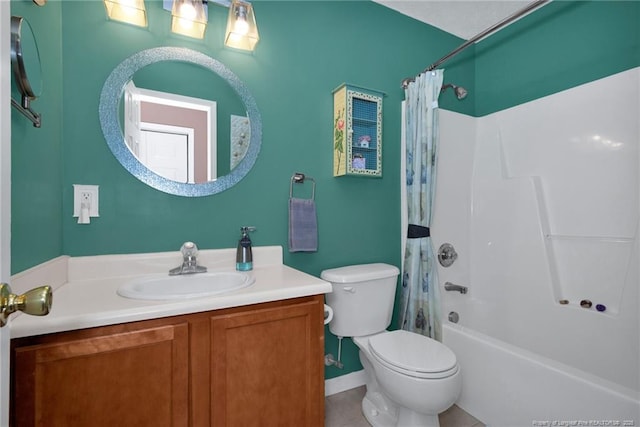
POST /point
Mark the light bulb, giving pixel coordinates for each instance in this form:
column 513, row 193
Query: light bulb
column 187, row 11
column 241, row 26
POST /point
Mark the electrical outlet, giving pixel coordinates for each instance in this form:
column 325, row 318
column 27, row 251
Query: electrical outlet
column 85, row 195
column 86, row 200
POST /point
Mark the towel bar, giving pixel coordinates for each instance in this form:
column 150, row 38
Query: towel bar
column 299, row 178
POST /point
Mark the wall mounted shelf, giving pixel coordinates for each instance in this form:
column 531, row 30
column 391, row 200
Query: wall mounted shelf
column 357, row 131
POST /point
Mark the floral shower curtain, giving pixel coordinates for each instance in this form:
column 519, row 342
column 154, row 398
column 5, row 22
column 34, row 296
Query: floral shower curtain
column 420, row 300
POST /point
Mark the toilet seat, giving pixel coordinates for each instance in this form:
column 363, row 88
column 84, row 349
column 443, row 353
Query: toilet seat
column 413, row 354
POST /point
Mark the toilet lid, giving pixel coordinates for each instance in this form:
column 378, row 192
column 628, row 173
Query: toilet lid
column 413, row 354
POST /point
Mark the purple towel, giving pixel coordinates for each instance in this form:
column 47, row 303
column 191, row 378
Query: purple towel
column 303, row 225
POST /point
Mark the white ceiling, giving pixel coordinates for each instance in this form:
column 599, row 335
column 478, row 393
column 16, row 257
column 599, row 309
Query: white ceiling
column 463, row 18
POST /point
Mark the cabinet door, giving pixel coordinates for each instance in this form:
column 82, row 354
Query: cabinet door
column 267, row 366
column 132, row 378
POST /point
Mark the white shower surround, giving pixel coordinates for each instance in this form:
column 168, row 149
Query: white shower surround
column 541, row 202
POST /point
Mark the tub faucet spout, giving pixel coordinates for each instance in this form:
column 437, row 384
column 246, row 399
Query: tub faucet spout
column 448, row 286
column 189, row 261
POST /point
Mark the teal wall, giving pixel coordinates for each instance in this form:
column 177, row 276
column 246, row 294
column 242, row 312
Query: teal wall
column 562, row 45
column 307, row 49
column 36, row 169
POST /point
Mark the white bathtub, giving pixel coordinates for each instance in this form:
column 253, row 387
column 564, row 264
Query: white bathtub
column 504, row 385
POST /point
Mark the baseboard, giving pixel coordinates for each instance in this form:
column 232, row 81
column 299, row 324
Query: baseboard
column 344, row 382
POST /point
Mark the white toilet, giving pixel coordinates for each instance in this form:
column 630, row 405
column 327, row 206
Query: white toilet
column 410, row 378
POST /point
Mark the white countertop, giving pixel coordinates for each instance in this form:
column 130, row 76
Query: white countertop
column 87, row 296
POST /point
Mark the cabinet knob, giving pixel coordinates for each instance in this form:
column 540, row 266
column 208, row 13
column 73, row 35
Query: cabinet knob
column 36, row 302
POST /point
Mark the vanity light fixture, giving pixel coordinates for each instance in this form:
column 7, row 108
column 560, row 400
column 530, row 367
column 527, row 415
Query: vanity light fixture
column 242, row 31
column 130, row 11
column 189, row 18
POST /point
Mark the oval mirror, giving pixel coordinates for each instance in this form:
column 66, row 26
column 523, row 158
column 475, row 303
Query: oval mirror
column 160, row 82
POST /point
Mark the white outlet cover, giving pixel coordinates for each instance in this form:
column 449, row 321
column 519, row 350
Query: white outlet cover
column 77, row 202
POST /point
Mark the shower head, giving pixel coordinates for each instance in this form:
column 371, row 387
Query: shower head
column 461, row 93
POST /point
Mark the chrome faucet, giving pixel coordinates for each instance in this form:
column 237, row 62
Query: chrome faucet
column 448, row 286
column 189, row 261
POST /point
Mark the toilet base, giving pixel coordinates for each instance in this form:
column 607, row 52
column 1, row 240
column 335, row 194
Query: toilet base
column 407, row 418
column 381, row 415
column 378, row 416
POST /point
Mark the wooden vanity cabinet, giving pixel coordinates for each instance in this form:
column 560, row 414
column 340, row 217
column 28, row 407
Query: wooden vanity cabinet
column 258, row 365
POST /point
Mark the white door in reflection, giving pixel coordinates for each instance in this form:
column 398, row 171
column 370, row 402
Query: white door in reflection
column 168, row 151
column 162, row 112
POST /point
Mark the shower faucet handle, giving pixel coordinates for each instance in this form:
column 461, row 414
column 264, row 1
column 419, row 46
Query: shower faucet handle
column 447, row 255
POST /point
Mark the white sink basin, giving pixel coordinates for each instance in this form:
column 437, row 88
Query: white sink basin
column 185, row 286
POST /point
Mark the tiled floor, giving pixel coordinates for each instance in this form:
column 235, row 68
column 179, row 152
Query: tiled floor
column 344, row 410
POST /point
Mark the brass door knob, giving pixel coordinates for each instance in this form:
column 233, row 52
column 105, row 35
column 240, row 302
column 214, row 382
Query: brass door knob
column 36, row 302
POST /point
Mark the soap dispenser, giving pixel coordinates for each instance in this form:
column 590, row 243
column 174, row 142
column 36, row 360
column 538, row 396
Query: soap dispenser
column 244, row 256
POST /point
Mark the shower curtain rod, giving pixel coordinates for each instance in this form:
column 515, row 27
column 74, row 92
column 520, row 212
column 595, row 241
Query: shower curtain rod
column 528, row 8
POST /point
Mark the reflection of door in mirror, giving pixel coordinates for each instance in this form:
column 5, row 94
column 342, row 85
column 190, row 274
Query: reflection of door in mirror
column 167, row 120
column 167, row 150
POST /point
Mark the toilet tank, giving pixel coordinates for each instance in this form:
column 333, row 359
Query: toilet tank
column 362, row 298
